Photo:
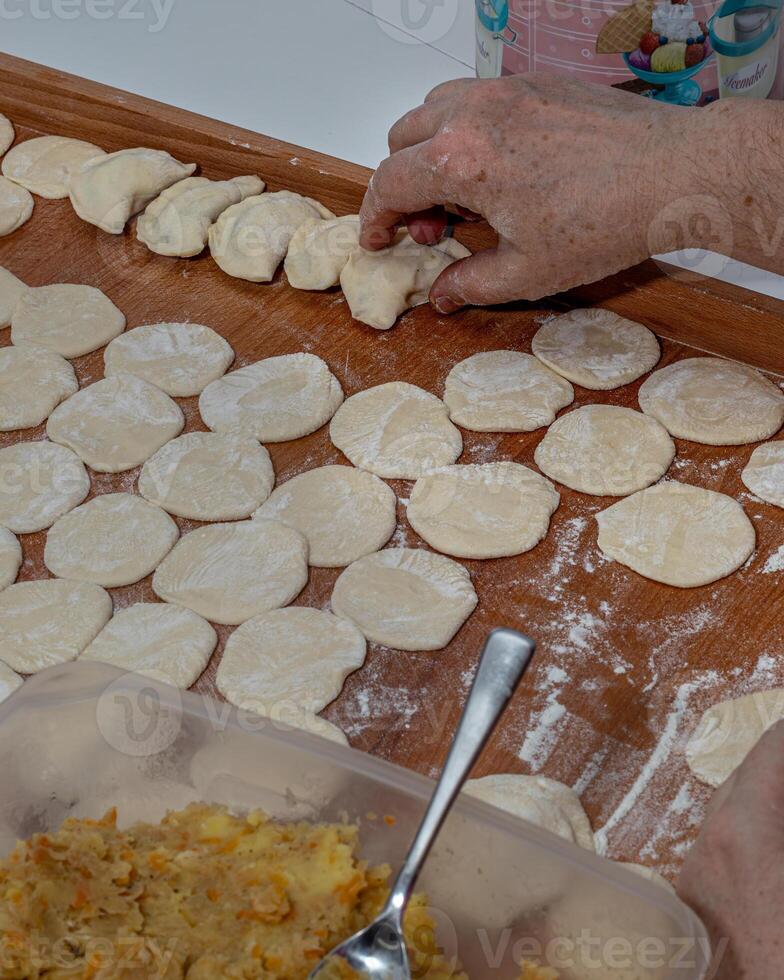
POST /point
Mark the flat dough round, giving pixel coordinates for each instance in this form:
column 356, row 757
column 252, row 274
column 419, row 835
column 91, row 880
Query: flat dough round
column 314, row 725
column 229, row 573
column 405, row 598
column 32, row 385
column 504, row 391
column 344, row 513
column 117, row 423
column 39, row 482
column 396, row 430
column 69, row 319
column 156, row 640
column 44, row 165
column 180, row 358
column 10, row 557
column 16, row 206
column 11, row 290
column 274, row 400
column 208, row 476
column 605, row 450
column 7, row 134
column 713, row 401
column 764, row 474
column 112, row 540
column 727, row 732
column 596, row 348
column 489, row 510
column 677, row 534
column 50, row 622
column 10, row 681
column 297, row 655
column 541, row 801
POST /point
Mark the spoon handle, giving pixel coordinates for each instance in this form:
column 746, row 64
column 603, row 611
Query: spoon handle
column 504, row 660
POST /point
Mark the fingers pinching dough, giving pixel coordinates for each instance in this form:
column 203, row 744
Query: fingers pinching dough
column 109, row 190
column 250, row 239
column 44, row 165
column 320, row 250
column 178, row 222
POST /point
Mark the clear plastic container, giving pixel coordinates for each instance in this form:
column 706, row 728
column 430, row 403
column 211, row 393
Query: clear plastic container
column 79, row 739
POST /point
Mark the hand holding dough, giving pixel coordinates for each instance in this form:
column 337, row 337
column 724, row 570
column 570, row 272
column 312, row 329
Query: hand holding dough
column 108, row 190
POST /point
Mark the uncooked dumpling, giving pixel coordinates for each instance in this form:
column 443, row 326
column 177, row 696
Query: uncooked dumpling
column 320, row 250
column 250, row 239
column 117, row 423
column 156, row 640
column 50, row 622
column 109, row 190
column 764, row 475
column 39, row 482
column 544, row 802
column 605, row 450
column 44, row 165
column 180, row 358
column 396, row 430
column 300, row 656
column 208, row 476
column 10, row 557
column 677, row 534
column 16, row 206
column 504, row 391
column 405, row 598
column 7, row 134
column 273, row 400
column 32, row 384
column 482, row 511
column 10, row 681
column 229, row 573
column 344, row 513
column 67, row 318
column 178, row 222
column 727, row 732
column 11, row 290
column 713, row 401
column 596, row 348
column 379, row 286
column 113, row 540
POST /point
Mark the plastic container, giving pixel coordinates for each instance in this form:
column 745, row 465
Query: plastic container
column 78, row 739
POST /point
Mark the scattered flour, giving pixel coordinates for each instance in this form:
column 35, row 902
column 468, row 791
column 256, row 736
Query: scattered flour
column 775, row 563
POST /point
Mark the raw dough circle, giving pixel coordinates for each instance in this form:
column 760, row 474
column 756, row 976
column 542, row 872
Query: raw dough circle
column 10, row 681
column 727, row 732
column 677, row 534
column 39, row 482
column 44, row 165
column 273, row 400
column 156, row 640
column 229, row 573
column 112, row 540
column 208, row 476
column 7, row 134
column 596, row 348
column 489, row 510
column 541, row 801
column 504, row 391
column 180, row 358
column 32, row 385
column 50, row 622
column 764, row 474
column 10, row 557
column 69, row 319
column 344, row 513
column 605, row 450
column 405, row 598
column 117, row 423
column 16, row 206
column 396, row 430
column 11, row 289
column 713, row 401
column 297, row 655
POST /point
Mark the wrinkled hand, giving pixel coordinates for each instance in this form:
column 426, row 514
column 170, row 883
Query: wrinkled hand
column 734, row 876
column 571, row 177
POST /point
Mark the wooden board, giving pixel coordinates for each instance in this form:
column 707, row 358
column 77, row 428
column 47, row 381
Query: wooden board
column 625, row 666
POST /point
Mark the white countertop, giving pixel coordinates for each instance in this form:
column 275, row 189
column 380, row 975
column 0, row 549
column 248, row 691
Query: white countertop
column 331, row 75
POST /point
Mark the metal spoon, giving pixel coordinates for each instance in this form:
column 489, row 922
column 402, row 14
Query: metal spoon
column 379, row 952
